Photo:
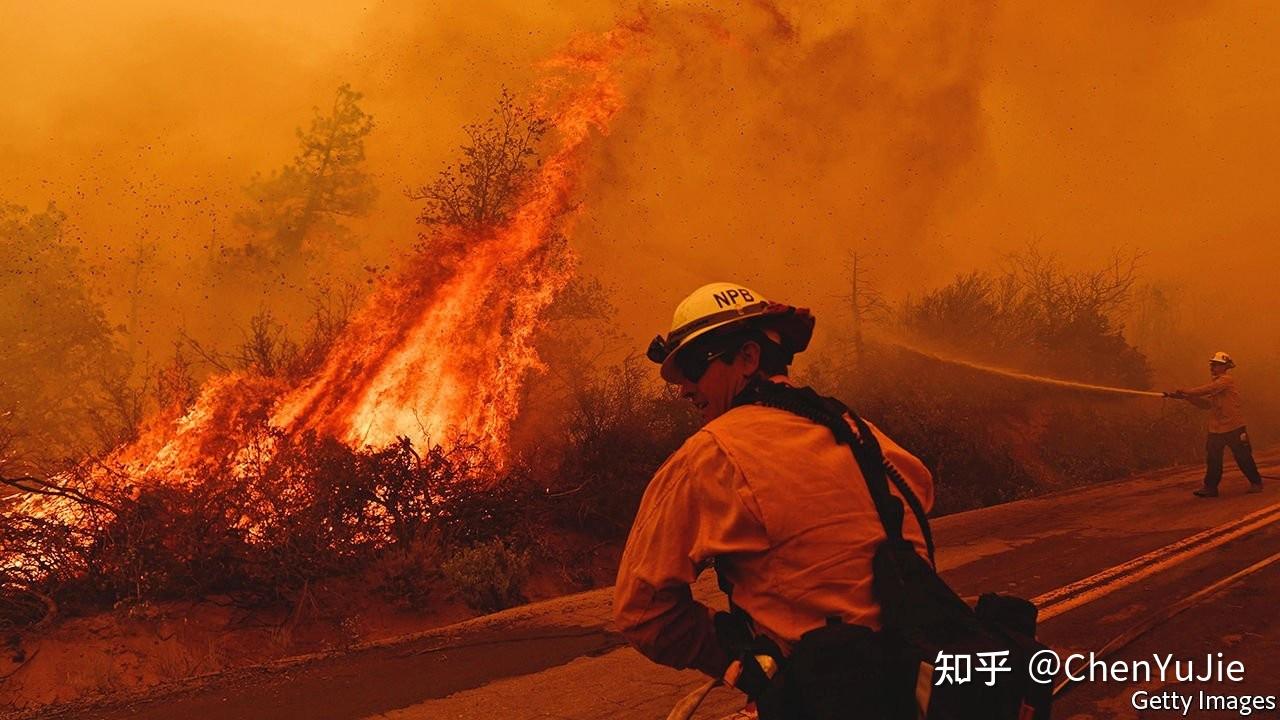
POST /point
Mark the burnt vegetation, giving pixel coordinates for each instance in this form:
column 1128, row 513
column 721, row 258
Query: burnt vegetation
column 258, row 527
column 264, row 524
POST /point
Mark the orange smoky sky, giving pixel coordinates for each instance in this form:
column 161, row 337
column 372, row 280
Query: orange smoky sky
column 759, row 142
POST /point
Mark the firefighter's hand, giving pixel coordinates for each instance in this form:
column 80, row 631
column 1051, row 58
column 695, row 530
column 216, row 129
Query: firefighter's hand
column 1175, row 394
column 751, row 674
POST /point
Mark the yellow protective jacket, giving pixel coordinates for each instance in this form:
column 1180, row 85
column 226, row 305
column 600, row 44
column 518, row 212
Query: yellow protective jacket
column 1225, row 413
column 785, row 511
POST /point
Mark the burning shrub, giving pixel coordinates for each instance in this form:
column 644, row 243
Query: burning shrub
column 617, row 432
column 265, row 521
column 165, row 542
column 231, row 492
column 42, row 556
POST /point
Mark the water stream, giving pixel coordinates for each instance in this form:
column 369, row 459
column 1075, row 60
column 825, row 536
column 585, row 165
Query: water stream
column 1028, row 377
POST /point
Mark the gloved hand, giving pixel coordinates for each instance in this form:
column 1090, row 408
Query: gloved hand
column 753, row 656
column 751, row 675
column 1175, row 394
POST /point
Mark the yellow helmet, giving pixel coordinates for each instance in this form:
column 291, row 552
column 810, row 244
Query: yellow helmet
column 1221, row 358
column 722, row 304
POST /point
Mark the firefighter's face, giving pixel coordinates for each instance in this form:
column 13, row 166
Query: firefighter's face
column 725, row 377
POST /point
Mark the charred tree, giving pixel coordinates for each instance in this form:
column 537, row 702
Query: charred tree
column 864, row 299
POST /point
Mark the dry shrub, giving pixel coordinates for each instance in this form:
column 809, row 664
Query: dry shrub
column 619, row 429
column 263, row 524
column 1037, row 315
column 407, row 575
column 957, row 424
column 1098, row 441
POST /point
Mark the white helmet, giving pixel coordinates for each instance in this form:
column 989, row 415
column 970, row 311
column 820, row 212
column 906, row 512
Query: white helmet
column 719, row 305
column 1221, row 358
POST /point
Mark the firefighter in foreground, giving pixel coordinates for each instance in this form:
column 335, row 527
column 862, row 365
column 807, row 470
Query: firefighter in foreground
column 766, row 495
column 1226, row 425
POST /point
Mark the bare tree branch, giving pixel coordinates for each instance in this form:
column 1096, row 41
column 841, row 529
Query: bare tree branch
column 498, row 163
column 39, row 486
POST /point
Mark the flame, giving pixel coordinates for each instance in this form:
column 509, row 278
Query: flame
column 429, row 357
column 440, row 349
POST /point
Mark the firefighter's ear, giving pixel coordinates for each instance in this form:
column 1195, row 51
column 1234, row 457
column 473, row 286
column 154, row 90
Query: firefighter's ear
column 749, row 358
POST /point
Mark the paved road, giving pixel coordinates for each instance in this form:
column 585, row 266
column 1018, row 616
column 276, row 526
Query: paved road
column 559, row 659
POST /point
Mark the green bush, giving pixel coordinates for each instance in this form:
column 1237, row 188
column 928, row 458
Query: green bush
column 489, row 576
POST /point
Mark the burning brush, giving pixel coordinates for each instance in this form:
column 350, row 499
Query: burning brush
column 440, row 349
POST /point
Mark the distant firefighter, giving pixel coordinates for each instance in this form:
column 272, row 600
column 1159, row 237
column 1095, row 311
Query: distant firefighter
column 1226, row 425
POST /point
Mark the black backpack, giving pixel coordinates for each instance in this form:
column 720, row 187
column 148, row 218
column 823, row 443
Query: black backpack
column 842, row 671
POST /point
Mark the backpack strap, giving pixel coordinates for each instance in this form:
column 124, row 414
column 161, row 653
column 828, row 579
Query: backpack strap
column 877, row 471
column 871, row 460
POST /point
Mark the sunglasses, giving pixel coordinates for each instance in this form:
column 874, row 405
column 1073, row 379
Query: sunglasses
column 693, row 364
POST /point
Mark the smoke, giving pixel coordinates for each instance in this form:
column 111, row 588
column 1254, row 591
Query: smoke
column 760, row 142
column 766, row 144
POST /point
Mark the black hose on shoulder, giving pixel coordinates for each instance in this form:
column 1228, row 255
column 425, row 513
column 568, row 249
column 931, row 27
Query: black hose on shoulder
column 831, row 413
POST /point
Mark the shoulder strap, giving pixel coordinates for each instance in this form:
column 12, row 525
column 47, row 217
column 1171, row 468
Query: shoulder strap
column 872, row 461
column 876, row 470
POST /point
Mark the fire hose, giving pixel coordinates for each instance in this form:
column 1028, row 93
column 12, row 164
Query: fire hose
column 1027, row 377
column 685, row 709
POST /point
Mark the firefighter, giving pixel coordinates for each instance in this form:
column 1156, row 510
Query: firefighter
column 765, row 495
column 1226, row 425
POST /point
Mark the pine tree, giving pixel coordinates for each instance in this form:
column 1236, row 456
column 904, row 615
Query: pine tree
column 61, row 370
column 324, row 183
